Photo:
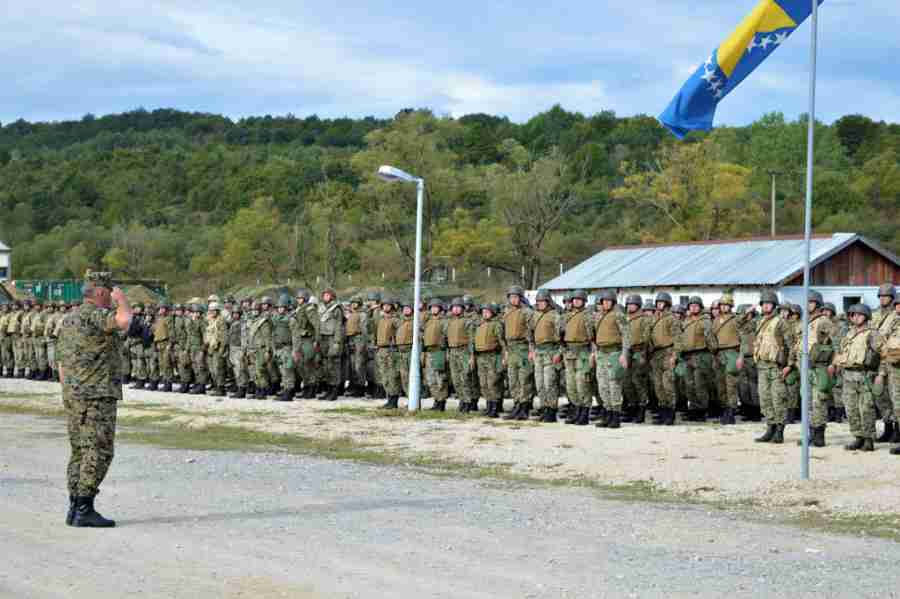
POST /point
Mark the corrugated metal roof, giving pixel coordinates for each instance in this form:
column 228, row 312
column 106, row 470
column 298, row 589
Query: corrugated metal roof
column 740, row 262
column 3, row 247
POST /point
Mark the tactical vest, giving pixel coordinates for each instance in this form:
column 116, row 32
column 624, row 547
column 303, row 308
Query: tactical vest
column 514, row 321
column 855, row 349
column 457, row 332
column 608, row 333
column 328, row 320
column 234, row 333
column 281, row 331
column 486, row 337
column 883, row 317
column 25, row 324
column 661, row 333
column 694, row 335
column 405, row 332
column 354, row 324
column 384, row 335
column 546, row 331
column 576, row 332
column 769, row 348
column 37, row 324
column 305, row 327
column 12, row 324
column 891, row 348
column 161, row 330
column 636, row 324
column 433, row 337
column 727, row 332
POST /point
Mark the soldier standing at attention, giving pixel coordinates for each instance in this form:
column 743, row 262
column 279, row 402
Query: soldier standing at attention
column 577, row 331
column 306, row 342
column 694, row 346
column 663, row 332
column 38, row 342
column 185, row 370
column 216, row 341
column 25, row 335
column 237, row 355
column 612, row 343
column 331, row 339
column 489, row 344
column 461, row 359
column 771, row 357
column 890, row 367
column 821, row 352
column 519, row 346
column 283, row 331
column 90, row 389
column 259, row 347
column 386, row 356
column 135, row 348
column 434, row 355
column 13, row 323
column 55, row 312
column 728, row 357
column 636, row 382
column 5, row 347
column 547, row 354
column 195, row 329
column 162, row 338
column 373, row 313
column 358, row 346
column 883, row 321
column 859, row 359
column 404, row 340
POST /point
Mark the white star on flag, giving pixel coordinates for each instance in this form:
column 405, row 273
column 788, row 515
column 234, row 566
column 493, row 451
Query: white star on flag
column 709, row 76
column 715, row 85
column 780, row 37
column 765, row 42
column 719, row 93
column 708, row 62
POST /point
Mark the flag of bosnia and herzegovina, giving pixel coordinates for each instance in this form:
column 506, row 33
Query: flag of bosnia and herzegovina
column 760, row 33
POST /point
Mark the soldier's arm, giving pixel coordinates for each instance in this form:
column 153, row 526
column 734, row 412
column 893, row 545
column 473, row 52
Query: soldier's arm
column 625, row 332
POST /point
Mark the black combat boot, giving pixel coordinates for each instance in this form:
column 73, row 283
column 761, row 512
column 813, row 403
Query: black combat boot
column 599, row 414
column 334, row 393
column 615, row 419
column 549, row 415
column 167, row 387
column 391, row 403
column 868, row 445
column 888, row 434
column 514, row 415
column 895, row 450
column 86, row 516
column 564, row 411
column 727, row 417
column 126, row 380
column 604, row 419
column 70, row 515
column 778, row 437
column 574, row 412
column 152, row 386
column 198, row 389
column 856, row 445
column 818, row 439
column 241, row 393
column 641, row 415
column 495, row 409
column 584, row 416
column 260, row 393
column 286, row 395
column 138, row 384
column 527, row 408
column 767, row 436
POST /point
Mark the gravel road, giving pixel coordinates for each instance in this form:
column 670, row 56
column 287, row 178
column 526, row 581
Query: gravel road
column 227, row 524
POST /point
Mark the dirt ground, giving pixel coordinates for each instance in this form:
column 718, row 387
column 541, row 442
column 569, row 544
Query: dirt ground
column 700, row 461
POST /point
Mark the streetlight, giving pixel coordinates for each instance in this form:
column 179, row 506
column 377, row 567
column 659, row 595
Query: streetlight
column 393, row 175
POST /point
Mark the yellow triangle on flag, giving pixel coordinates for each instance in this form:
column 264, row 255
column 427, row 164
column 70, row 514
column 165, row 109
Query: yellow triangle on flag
column 768, row 16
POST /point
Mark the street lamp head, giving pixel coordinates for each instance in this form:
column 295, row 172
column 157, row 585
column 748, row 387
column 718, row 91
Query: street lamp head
column 391, row 174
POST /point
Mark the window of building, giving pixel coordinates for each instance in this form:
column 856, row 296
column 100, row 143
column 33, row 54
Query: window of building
column 684, row 299
column 850, row 300
column 4, row 272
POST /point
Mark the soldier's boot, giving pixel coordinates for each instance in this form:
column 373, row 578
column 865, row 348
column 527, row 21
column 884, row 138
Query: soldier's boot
column 778, row 437
column 856, row 445
column 888, row 434
column 184, row 388
column 251, row 388
column 640, row 417
column 727, row 416
column 70, row 515
column 152, row 385
column 138, row 384
column 260, row 393
column 767, row 436
column 614, row 419
column 334, row 393
column 494, row 408
column 564, row 411
column 198, row 389
column 604, row 419
column 896, row 437
column 440, row 406
column 87, row 517
column 572, row 414
column 49, row 375
column 286, row 395
column 514, row 415
column 549, row 415
column 167, row 387
column 670, row 417
column 584, row 418
column 309, row 391
column 596, row 411
column 538, row 415
column 527, row 407
column 241, row 393
column 818, row 439
column 126, row 380
column 868, row 445
column 462, row 407
column 218, row 392
column 895, row 450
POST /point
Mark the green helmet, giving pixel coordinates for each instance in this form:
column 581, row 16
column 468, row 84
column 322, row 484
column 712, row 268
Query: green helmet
column 215, row 307
column 436, row 302
column 373, row 296
column 860, row 309
column 543, row 295
column 662, row 296
column 178, row 307
column 829, row 306
column 727, row 299
column 229, row 299
column 515, row 290
column 607, row 294
column 194, row 308
column 458, row 301
column 887, row 290
column 695, row 299
column 285, row 301
column 580, row 294
column 635, row 299
column 265, row 300
column 468, row 300
column 796, row 309
column 768, row 297
column 815, row 296
column 303, row 294
column 387, row 300
column 492, row 307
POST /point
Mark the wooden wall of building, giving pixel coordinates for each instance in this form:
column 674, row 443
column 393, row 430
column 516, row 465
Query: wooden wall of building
column 856, row 265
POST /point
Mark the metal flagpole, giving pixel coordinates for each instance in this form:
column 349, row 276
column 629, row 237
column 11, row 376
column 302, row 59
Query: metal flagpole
column 807, row 233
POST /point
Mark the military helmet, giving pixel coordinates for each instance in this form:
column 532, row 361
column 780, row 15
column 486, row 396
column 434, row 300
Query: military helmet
column 607, row 294
column 515, row 290
column 860, row 309
column 829, row 306
column 436, row 302
column 303, row 293
column 468, row 300
column 579, row 294
column 193, row 307
column 329, row 290
column 678, row 309
column 543, row 295
column 407, row 303
column 265, row 300
column 215, row 307
column 796, row 309
column 635, row 299
column 387, row 300
column 649, row 305
column 229, row 299
column 815, row 296
column 458, row 301
column 887, row 290
column 727, row 299
column 213, row 298
column 285, row 301
column 695, row 299
column 137, row 306
column 768, row 297
column 178, row 307
column 373, row 296
column 662, row 296
column 492, row 307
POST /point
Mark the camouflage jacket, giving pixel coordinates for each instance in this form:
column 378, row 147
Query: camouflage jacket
column 215, row 337
column 194, row 331
column 88, row 353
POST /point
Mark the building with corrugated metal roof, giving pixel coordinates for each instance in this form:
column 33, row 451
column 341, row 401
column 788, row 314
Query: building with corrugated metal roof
column 846, row 268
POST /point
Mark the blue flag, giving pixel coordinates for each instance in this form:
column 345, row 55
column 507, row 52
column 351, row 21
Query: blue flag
column 758, row 35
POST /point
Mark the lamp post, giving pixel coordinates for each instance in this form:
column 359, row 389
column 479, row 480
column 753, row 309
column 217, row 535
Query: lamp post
column 393, row 175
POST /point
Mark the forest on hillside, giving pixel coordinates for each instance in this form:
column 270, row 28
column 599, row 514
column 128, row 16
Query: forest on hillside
column 210, row 203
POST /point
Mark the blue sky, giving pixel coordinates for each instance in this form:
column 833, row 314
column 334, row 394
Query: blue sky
column 62, row 60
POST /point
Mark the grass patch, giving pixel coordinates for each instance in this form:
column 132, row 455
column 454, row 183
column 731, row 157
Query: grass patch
column 52, row 408
column 883, row 526
column 402, row 414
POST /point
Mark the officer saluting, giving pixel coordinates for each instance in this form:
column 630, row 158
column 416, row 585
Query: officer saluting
column 89, row 365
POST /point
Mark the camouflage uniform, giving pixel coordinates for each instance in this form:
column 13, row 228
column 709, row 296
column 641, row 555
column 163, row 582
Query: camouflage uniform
column 27, row 351
column 404, row 340
column 331, row 340
column 664, row 329
column 283, row 351
column 434, row 359
column 460, row 331
column 163, row 339
column 489, row 343
column 577, row 331
column 728, row 342
column 6, row 355
column 771, row 355
column 890, row 366
column 519, row 345
column 260, row 350
column 545, row 330
column 693, row 346
column 821, row 352
column 857, row 359
column 135, row 349
column 386, row 357
column 636, row 384
column 748, row 377
column 612, row 340
column 195, row 329
column 372, row 382
column 185, row 368
column 215, row 339
column 38, row 341
column 237, row 357
column 13, row 328
column 306, row 339
column 883, row 321
column 358, row 348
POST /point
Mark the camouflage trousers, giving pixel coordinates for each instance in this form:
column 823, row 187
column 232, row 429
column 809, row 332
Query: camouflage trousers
column 461, row 367
column 306, row 369
column 579, row 374
column 138, row 364
column 885, row 403
column 198, row 364
column 18, row 348
column 490, row 366
column 697, row 379
column 772, row 392
column 330, row 371
column 818, row 377
column 388, row 373
column 403, row 355
column 215, row 361
column 663, row 377
column 609, row 380
column 185, row 366
column 262, row 372
column 26, row 354
column 152, row 361
column 359, row 357
column 519, row 373
column 636, row 384
column 164, row 361
column 748, row 383
column 726, row 382
column 39, row 348
column 51, row 355
column 283, row 360
column 7, row 358
column 436, row 374
column 371, row 369
column 238, row 361
column 860, row 403
column 92, row 431
column 792, row 387
column 546, row 374
column 892, row 385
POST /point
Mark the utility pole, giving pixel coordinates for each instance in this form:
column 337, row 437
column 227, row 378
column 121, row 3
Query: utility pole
column 773, row 174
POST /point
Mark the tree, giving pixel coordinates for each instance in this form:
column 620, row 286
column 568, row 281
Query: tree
column 255, row 241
